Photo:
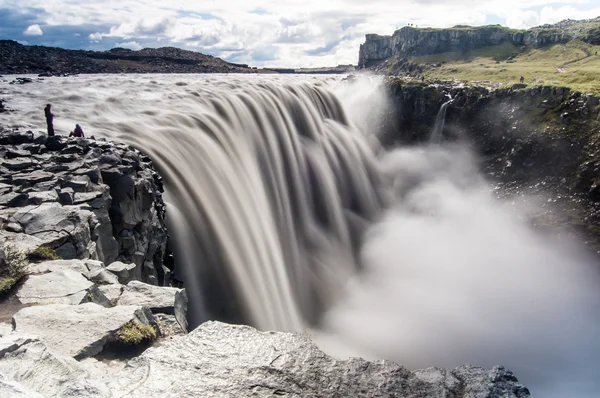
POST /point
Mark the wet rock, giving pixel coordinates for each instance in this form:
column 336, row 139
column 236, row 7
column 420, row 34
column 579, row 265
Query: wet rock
column 58, row 287
column 158, row 299
column 77, row 331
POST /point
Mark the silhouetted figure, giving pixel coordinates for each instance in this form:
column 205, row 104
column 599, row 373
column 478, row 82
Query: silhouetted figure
column 522, row 79
column 49, row 119
column 78, row 132
column 422, row 78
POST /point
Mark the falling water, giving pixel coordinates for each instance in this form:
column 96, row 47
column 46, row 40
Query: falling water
column 266, row 195
column 440, row 121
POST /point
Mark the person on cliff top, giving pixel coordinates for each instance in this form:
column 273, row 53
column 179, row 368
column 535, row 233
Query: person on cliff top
column 78, row 132
column 49, row 119
column 522, row 79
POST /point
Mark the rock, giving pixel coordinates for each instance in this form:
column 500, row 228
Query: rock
column 44, row 267
column 58, row 287
column 112, row 293
column 125, row 272
column 78, row 331
column 14, row 199
column 103, row 277
column 80, row 216
column 19, row 163
column 12, row 389
column 37, row 198
column 82, row 197
column 64, row 228
column 77, row 183
column 181, row 307
column 219, row 360
column 55, row 143
column 12, row 341
column 15, row 138
column 36, row 371
column 5, row 328
column 158, row 299
column 66, row 196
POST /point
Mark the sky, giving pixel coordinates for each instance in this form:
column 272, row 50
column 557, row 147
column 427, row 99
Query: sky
column 285, row 33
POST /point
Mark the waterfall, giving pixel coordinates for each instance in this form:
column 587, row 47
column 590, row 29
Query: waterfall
column 267, row 195
column 440, row 121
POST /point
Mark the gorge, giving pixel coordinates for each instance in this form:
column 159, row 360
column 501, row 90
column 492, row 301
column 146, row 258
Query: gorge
column 286, row 213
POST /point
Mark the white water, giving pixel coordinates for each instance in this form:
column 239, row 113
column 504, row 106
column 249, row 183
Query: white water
column 271, row 179
column 440, row 122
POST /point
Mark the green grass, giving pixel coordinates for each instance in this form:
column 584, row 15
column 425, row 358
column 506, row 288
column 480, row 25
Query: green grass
column 12, row 269
column 43, row 253
column 572, row 65
column 133, row 333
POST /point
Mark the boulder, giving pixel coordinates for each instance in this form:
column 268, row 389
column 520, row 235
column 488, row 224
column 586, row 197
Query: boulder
column 125, row 272
column 32, row 370
column 219, row 360
column 78, row 331
column 158, row 299
column 59, row 287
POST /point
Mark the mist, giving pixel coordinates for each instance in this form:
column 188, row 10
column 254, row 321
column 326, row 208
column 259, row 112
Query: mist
column 453, row 275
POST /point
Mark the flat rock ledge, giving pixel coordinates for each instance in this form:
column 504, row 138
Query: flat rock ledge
column 84, row 199
column 221, row 360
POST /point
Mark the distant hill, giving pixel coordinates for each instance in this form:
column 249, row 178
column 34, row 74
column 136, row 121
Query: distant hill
column 16, row 58
column 564, row 54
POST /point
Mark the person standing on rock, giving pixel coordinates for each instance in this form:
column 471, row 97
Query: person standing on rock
column 49, row 119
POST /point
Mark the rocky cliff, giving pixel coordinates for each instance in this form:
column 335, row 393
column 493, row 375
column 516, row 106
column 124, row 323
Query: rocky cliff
column 410, row 41
column 16, row 58
column 83, row 199
column 540, row 140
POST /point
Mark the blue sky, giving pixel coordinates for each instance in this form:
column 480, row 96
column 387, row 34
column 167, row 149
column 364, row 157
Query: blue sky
column 260, row 32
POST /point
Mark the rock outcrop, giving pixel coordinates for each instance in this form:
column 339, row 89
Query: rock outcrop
column 410, row 41
column 538, row 140
column 16, row 58
column 219, row 360
column 84, row 199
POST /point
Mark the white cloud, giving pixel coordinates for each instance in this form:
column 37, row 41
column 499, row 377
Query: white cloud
column 295, row 32
column 132, row 45
column 33, row 30
column 95, row 36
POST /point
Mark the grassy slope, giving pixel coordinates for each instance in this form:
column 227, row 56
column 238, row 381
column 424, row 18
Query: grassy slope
column 574, row 65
